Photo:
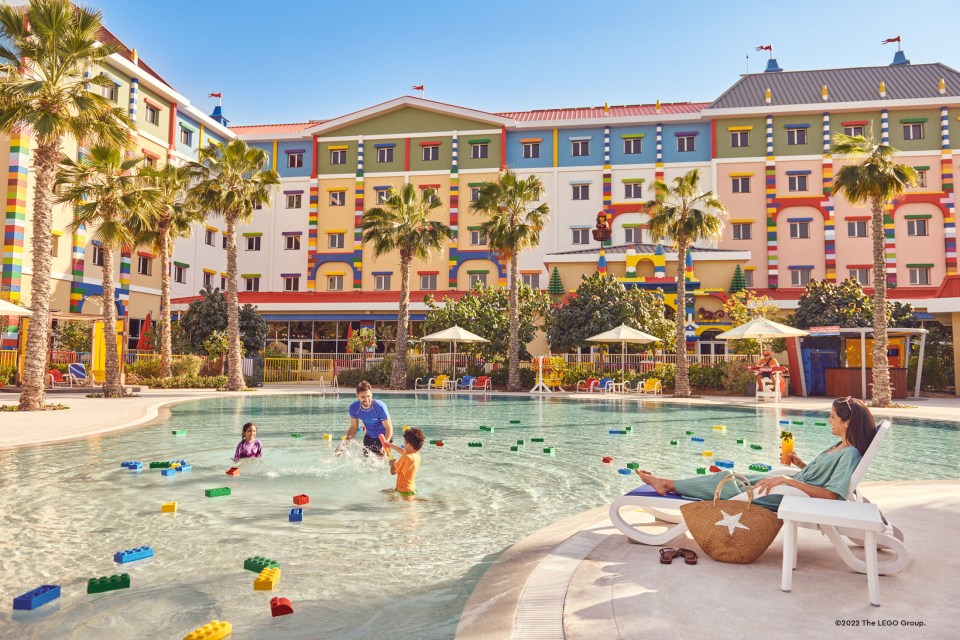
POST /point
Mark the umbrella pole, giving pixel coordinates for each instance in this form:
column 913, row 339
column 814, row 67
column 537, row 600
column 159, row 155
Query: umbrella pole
column 454, row 364
column 623, row 361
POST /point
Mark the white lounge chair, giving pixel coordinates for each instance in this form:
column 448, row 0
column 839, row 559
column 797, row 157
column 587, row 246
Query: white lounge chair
column 466, row 383
column 666, row 509
column 420, row 384
column 588, row 385
column 78, row 375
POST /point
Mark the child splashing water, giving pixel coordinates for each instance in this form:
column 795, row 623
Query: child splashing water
column 249, row 446
column 409, row 463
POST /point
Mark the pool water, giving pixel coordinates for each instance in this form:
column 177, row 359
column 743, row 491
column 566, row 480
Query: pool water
column 364, row 562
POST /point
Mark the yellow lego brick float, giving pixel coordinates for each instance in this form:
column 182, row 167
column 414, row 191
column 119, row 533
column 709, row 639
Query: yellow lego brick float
column 213, row 631
column 174, row 465
column 707, row 454
column 168, row 507
column 327, row 437
column 267, row 580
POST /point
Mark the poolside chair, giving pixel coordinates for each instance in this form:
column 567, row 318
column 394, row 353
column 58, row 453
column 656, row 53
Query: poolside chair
column 666, row 509
column 650, row 386
column 587, row 386
column 56, row 379
column 439, row 382
column 483, row 383
column 78, row 375
column 420, row 384
column 466, row 382
column 771, row 386
column 604, row 386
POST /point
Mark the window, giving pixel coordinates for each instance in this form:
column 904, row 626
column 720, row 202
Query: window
column 381, row 282
column 741, row 184
column 143, row 265
column 54, row 246
column 633, row 190
column 860, row 275
column 207, row 280
column 294, row 200
column 474, row 194
column 477, row 238
column 581, row 236
column 853, row 130
column 251, row 284
column 186, row 136
column 913, row 131
column 149, row 161
column 224, row 241
column 292, row 243
column 580, row 148
column 918, row 228
column 109, row 92
column 796, row 136
column 383, row 195
column 429, row 195
column 581, row 192
column 686, row 143
column 294, row 160
column 334, row 283
column 151, row 114
column 739, row 138
column 179, row 274
column 97, row 256
column 857, row 229
column 431, row 153
column 748, row 277
column 338, row 156
column 799, row 277
column 335, row 240
column 480, row 150
column 633, row 235
column 428, row 282
column 799, row 230
column 742, row 230
column 478, row 279
column 385, row 155
column 921, row 179
column 920, row 275
column 291, row 283
column 223, row 283
column 338, row 198
column 531, row 149
column 253, row 243
column 208, row 237
column 797, row 183
column 633, row 146
column 532, row 280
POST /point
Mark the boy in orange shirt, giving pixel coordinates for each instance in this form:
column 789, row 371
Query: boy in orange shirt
column 409, row 463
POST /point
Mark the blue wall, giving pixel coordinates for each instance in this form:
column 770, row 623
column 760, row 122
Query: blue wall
column 670, row 153
column 191, row 150
column 515, row 157
column 649, row 154
column 565, row 159
column 301, row 172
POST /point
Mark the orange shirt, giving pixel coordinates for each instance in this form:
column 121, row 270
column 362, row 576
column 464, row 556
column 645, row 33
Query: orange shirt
column 406, row 468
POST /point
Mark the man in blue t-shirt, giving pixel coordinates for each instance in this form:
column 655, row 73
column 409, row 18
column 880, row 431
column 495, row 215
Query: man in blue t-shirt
column 375, row 418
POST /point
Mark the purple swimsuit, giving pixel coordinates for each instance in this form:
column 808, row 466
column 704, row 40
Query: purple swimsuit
column 248, row 450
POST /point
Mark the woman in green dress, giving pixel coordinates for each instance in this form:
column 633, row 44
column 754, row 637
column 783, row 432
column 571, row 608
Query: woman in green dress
column 827, row 476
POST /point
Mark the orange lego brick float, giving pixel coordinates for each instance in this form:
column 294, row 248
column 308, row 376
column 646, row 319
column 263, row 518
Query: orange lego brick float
column 280, row 607
column 233, row 471
column 301, row 499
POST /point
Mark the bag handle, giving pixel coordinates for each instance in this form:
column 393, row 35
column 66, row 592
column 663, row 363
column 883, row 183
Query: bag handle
column 738, row 478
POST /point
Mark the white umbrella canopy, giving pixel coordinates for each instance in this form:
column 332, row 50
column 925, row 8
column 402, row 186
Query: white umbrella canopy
column 10, row 309
column 761, row 328
column 454, row 334
column 624, row 334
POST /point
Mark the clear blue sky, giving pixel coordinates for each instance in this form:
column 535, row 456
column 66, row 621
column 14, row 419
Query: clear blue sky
column 296, row 60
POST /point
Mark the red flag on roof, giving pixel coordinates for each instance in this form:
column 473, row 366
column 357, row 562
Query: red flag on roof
column 215, row 95
column 765, row 47
column 417, row 87
column 889, row 40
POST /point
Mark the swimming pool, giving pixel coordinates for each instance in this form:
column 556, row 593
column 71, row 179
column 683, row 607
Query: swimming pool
column 363, row 563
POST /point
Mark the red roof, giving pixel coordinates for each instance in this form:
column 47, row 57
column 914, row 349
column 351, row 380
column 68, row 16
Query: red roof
column 895, row 293
column 256, row 129
column 106, row 37
column 329, row 297
column 578, row 113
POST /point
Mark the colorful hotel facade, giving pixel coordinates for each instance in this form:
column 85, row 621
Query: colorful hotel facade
column 763, row 147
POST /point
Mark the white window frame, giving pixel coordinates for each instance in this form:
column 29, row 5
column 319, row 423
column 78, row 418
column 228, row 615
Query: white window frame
column 581, row 192
column 428, row 282
column 179, row 274
column 291, row 243
column 143, row 265
column 477, row 238
column 338, row 198
column 477, row 278
column 913, row 131
column 739, row 139
column 580, row 236
column 800, row 277
column 919, row 276
column 251, row 284
column 474, row 194
column 223, row 283
column 430, row 153
column 796, row 137
column 253, row 243
column 861, row 275
column 429, row 194
column 740, row 184
column 381, row 282
column 294, row 200
column 532, row 280
column 383, row 195
column 632, row 146
column 110, row 92
column 151, row 115
column 186, row 136
column 921, row 179
column 799, row 230
column 295, row 160
column 856, row 228
column 338, row 156
column 209, row 237
column 385, row 155
column 335, row 240
column 633, row 235
column 918, row 228
column 798, row 183
column 97, row 257
column 479, row 151
column 686, row 144
column 742, row 230
column 579, row 148
column 291, row 283
column 207, row 280
column 853, row 131
column 748, row 277
column 531, row 150
column 632, row 190
column 335, row 283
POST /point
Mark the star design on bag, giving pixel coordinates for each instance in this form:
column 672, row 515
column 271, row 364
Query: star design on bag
column 731, row 522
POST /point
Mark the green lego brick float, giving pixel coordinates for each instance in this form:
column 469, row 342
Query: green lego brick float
column 213, row 493
column 179, row 432
column 536, row 439
column 484, row 427
column 102, row 584
column 259, row 563
column 633, row 465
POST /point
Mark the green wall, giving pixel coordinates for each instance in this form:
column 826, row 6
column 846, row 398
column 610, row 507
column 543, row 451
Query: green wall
column 814, row 143
column 492, row 161
column 758, row 138
column 370, row 164
column 409, row 120
column 931, row 130
column 444, row 157
column 323, row 160
column 870, row 130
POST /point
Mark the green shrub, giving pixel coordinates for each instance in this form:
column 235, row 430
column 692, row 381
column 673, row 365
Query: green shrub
column 187, row 367
column 575, row 373
column 141, row 369
column 415, row 371
column 665, row 373
column 62, row 367
column 528, row 377
column 707, row 376
column 349, row 377
column 736, row 378
column 187, row 382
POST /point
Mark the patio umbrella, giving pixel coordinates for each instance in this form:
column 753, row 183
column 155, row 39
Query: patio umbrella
column 454, row 335
column 624, row 334
column 10, row 309
column 144, row 329
column 760, row 328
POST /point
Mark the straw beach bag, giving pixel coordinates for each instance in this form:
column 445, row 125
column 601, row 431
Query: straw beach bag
column 731, row 530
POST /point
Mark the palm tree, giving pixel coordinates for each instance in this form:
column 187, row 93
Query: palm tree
column 44, row 51
column 403, row 225
column 107, row 195
column 173, row 219
column 683, row 215
column 875, row 179
column 514, row 225
column 232, row 181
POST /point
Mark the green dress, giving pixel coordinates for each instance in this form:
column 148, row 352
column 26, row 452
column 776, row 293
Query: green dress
column 830, row 470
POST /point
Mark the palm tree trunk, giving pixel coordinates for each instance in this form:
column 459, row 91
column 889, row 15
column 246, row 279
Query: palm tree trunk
column 111, row 367
column 234, row 352
column 166, row 340
column 682, row 378
column 398, row 375
column 32, row 394
column 881, row 367
column 513, row 353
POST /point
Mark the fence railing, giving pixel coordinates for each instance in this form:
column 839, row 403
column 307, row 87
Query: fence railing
column 298, row 371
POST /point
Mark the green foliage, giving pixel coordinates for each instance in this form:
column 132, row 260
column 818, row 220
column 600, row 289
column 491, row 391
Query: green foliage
column 137, row 371
column 187, row 382
column 514, row 217
column 349, row 378
column 600, row 304
column 217, row 344
column 739, row 282
column 275, row 350
column 736, row 377
column 528, row 378
column 362, row 341
column 73, row 336
column 575, row 373
column 208, row 314
column 6, row 374
column 706, row 376
column 485, row 312
column 938, row 371
column 187, row 366
column 555, row 288
column 665, row 373
column 62, row 367
column 826, row 304
column 742, row 307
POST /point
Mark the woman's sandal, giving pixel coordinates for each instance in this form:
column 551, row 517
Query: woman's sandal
column 667, row 555
column 689, row 556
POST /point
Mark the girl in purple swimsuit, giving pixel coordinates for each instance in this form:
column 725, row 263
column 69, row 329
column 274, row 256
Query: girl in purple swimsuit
column 249, row 447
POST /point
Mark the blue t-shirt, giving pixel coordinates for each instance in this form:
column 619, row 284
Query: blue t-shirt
column 371, row 418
